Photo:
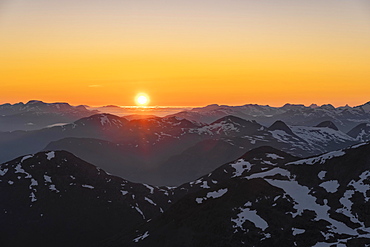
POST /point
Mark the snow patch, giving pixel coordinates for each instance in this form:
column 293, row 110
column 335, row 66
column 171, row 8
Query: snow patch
column 204, row 185
column 304, row 201
column 142, row 237
column 319, row 159
column 250, row 215
column 322, row 175
column 151, row 189
column 330, row 186
column 87, row 186
column 297, row 231
column 274, row 156
column 3, row 171
column 26, row 158
column 150, row 201
column 33, row 197
column 50, row 155
column 47, row 179
column 213, row 194
column 240, row 166
column 53, row 188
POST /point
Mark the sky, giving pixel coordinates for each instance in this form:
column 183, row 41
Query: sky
column 185, row 53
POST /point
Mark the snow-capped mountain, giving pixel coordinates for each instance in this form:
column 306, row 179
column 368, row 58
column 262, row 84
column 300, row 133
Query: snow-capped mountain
column 56, row 199
column 37, row 115
column 268, row 198
column 344, row 117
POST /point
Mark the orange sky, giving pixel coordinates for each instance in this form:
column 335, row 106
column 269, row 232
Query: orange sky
column 188, row 53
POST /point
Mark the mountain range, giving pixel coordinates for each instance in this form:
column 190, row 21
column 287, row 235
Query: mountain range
column 214, row 176
column 344, row 117
column 266, row 197
column 171, row 150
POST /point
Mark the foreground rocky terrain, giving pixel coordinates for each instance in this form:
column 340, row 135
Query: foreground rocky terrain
column 265, row 198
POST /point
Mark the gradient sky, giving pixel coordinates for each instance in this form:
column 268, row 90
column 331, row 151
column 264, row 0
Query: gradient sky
column 188, row 53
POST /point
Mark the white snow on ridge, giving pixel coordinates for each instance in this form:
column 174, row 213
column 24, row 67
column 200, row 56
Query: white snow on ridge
column 270, row 172
column 274, row 156
column 50, row 155
column 214, row 194
column 26, row 157
column 151, row 189
column 330, row 186
column 321, row 159
column 358, row 145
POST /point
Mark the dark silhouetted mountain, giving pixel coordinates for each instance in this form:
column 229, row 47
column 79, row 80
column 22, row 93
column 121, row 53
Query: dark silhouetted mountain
column 268, row 198
column 56, row 199
column 328, row 124
column 37, row 115
column 280, row 125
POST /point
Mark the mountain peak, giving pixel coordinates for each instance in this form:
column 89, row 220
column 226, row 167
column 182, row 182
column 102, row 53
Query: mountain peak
column 327, row 107
column 280, row 125
column 328, row 124
column 314, row 106
column 32, row 102
column 232, row 119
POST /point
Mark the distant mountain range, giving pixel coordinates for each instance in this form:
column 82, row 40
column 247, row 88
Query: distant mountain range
column 171, row 150
column 345, row 117
column 37, row 114
column 266, row 197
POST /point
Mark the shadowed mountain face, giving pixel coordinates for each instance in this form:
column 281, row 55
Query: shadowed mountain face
column 265, row 198
column 168, row 151
column 344, row 117
column 37, row 115
column 268, row 198
column 361, row 132
column 56, row 199
column 328, row 124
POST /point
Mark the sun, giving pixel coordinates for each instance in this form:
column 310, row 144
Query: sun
column 142, row 99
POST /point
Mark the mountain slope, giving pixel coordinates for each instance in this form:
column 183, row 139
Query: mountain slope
column 268, row 198
column 361, row 132
column 56, row 199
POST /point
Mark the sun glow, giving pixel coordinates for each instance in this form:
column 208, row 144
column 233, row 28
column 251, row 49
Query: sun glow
column 142, row 99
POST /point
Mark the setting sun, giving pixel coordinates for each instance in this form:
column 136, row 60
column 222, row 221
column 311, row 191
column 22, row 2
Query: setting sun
column 142, row 99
